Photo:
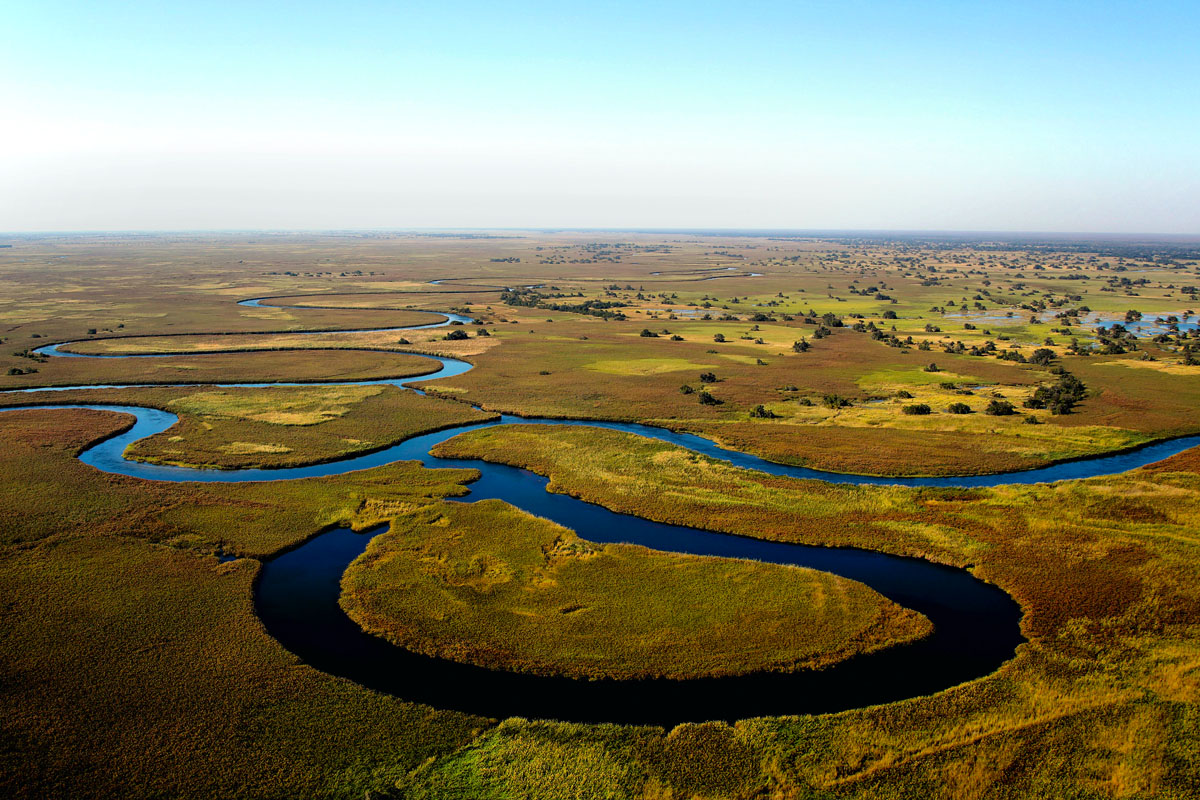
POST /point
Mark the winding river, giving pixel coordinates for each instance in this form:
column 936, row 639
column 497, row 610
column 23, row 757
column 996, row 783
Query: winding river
column 976, row 625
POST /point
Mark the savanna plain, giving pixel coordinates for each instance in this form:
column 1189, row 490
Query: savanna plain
column 134, row 664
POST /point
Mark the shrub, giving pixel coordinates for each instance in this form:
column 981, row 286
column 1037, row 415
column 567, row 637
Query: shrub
column 456, row 335
column 801, row 346
column 707, row 399
column 762, row 412
column 648, row 334
column 720, row 337
column 959, row 408
column 708, row 377
column 917, row 409
column 685, row 389
column 932, row 368
column 835, row 401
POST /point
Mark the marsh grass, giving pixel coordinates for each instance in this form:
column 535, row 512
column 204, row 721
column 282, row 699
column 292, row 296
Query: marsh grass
column 490, row 584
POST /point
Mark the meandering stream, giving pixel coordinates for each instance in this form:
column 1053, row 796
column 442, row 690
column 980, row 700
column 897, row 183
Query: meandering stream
column 976, row 625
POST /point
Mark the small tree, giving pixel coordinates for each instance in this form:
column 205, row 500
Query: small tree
column 762, row 412
column 707, row 399
column 1000, row 408
column 720, row 337
column 708, row 377
column 917, row 409
column 801, row 346
column 959, row 408
column 456, row 335
column 1043, row 357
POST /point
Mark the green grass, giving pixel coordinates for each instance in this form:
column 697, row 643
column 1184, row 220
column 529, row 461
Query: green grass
column 490, row 584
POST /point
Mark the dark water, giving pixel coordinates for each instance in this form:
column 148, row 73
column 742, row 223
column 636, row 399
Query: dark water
column 976, row 626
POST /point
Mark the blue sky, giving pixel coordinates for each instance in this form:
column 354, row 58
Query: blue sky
column 999, row 116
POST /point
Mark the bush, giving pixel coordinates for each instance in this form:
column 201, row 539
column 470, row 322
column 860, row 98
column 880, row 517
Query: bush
column 685, row 389
column 932, row 368
column 917, row 409
column 648, row 334
column 801, row 346
column 708, row 377
column 762, row 412
column 835, row 401
column 959, row 408
column 1000, row 408
column 720, row 337
column 456, row 335
column 707, row 399
column 904, row 395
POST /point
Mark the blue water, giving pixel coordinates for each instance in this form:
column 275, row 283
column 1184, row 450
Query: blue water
column 976, row 626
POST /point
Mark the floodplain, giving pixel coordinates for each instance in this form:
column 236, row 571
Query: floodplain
column 134, row 662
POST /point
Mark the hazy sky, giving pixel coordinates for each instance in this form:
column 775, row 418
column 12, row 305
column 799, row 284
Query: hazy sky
column 969, row 115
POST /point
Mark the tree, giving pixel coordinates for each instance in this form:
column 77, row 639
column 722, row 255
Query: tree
column 762, row 412
column 959, row 408
column 917, row 409
column 1000, row 408
column 708, row 377
column 456, row 335
column 835, row 401
column 1043, row 356
column 707, row 399
column 801, row 346
column 720, row 337
column 1060, row 397
column 648, row 334
column 685, row 389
